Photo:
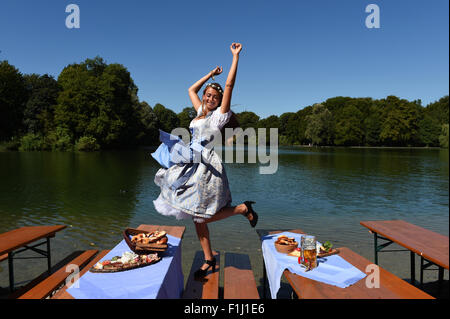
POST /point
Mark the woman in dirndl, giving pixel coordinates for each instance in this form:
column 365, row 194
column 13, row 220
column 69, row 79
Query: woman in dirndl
column 193, row 180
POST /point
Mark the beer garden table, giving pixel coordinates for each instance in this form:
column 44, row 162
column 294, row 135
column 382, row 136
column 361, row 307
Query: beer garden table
column 430, row 246
column 391, row 287
column 168, row 284
column 18, row 240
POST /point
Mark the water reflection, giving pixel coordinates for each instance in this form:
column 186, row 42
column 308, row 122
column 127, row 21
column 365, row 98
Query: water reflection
column 323, row 191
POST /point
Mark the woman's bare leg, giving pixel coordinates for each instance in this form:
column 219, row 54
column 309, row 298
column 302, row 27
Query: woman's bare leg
column 203, row 236
column 203, row 231
column 228, row 212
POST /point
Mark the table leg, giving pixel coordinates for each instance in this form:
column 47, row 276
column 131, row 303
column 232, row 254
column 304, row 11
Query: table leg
column 421, row 272
column 440, row 279
column 376, row 247
column 413, row 268
column 49, row 262
column 11, row 271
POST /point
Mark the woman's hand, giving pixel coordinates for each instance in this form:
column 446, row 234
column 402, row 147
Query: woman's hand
column 216, row 71
column 235, row 48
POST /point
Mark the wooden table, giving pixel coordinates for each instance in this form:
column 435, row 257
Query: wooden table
column 21, row 238
column 176, row 231
column 430, row 246
column 391, row 287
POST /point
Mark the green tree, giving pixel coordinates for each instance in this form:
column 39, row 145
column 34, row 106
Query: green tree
column 302, row 124
column 268, row 123
column 372, row 126
column 247, row 119
column 98, row 100
column 320, row 126
column 186, row 116
column 439, row 110
column 428, row 131
column 349, row 126
column 167, row 119
column 40, row 106
column 400, row 123
column 149, row 134
column 443, row 138
column 13, row 96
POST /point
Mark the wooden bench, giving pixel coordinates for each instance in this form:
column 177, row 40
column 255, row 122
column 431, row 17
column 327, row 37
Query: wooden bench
column 62, row 293
column 430, row 246
column 239, row 281
column 208, row 287
column 47, row 286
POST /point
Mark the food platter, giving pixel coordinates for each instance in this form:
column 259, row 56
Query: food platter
column 141, row 241
column 333, row 251
column 128, row 261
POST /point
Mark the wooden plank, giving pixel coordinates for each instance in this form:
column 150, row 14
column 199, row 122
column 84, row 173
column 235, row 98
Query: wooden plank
column 48, row 285
column 391, row 287
column 432, row 246
column 239, row 281
column 176, row 231
column 206, row 288
column 63, row 294
column 20, row 291
column 20, row 237
column 3, row 257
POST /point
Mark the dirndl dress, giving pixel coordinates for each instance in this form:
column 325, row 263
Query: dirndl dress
column 192, row 179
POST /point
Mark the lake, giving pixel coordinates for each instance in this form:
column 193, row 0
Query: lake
column 323, row 191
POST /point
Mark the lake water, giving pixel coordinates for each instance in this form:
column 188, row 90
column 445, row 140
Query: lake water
column 325, row 192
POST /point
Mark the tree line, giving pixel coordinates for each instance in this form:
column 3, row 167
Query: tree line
column 94, row 105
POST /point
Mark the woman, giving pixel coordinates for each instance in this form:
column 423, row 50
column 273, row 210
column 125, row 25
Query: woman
column 193, row 181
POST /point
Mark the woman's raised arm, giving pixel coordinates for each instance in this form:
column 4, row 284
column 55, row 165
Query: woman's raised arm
column 226, row 100
column 193, row 90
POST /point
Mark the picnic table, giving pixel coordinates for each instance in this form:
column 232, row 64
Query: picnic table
column 161, row 280
column 18, row 240
column 430, row 246
column 390, row 287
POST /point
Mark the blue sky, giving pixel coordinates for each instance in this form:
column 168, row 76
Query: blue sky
column 295, row 53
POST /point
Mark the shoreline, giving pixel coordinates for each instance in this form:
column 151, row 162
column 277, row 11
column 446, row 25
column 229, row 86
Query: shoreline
column 152, row 148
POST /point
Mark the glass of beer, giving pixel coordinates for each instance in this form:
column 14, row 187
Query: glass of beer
column 309, row 252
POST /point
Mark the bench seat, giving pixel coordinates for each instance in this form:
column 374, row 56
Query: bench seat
column 239, row 281
column 45, row 288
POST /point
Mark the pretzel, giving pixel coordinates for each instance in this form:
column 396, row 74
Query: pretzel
column 137, row 237
column 156, row 235
column 144, row 241
column 162, row 241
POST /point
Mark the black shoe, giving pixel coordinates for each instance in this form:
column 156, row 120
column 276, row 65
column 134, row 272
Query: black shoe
column 200, row 273
column 251, row 211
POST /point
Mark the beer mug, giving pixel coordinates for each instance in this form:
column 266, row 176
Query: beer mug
column 309, row 252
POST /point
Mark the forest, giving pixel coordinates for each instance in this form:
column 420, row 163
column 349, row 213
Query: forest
column 94, row 106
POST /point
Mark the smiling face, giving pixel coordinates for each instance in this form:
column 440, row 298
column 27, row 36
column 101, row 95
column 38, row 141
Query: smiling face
column 211, row 98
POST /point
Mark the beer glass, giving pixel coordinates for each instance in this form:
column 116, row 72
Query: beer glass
column 309, row 252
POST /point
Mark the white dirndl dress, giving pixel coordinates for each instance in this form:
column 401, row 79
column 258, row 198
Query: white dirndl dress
column 192, row 179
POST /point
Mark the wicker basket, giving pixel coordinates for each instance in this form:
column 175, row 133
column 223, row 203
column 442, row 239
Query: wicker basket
column 285, row 249
column 141, row 248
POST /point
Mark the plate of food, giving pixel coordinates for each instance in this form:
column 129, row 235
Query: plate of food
column 326, row 249
column 129, row 260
